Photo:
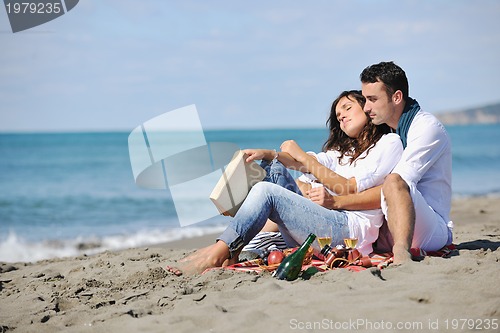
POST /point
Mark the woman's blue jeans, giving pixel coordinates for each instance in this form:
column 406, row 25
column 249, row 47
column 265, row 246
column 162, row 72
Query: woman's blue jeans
column 278, row 174
column 279, row 199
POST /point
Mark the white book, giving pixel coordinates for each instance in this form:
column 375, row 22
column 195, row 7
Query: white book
column 235, row 183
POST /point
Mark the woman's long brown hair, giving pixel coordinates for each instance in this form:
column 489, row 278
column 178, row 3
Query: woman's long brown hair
column 346, row 145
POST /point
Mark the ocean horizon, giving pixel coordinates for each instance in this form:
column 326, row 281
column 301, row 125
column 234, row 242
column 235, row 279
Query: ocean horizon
column 65, row 194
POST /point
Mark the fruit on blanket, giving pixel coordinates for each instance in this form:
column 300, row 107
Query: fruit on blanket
column 275, row 257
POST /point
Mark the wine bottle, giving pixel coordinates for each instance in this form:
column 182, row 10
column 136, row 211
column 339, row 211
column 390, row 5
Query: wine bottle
column 291, row 266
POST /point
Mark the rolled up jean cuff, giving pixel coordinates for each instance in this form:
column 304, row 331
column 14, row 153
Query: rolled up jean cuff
column 233, row 240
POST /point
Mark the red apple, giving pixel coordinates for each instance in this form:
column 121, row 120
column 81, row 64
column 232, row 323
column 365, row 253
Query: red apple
column 275, row 257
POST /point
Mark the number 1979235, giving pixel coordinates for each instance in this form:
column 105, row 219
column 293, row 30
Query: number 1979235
column 33, row 8
column 472, row 324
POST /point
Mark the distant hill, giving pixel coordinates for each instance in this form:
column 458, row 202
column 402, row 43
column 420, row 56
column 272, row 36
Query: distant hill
column 489, row 114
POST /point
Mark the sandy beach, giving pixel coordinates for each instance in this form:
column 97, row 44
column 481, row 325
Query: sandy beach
column 128, row 291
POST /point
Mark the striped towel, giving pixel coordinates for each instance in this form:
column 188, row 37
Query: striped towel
column 266, row 241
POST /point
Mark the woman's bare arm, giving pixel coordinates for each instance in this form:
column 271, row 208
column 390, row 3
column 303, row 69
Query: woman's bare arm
column 267, row 154
column 327, row 177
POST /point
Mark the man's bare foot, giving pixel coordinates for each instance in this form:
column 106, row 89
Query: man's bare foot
column 211, row 256
column 401, row 255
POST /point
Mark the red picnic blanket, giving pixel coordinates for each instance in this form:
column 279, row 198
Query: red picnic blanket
column 379, row 260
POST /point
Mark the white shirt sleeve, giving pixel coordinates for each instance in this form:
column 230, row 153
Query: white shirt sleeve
column 427, row 141
column 371, row 170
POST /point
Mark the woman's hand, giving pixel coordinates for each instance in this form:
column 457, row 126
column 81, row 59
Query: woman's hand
column 321, row 196
column 291, row 147
column 258, row 154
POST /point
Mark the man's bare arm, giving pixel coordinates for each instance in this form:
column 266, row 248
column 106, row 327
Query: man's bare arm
column 368, row 199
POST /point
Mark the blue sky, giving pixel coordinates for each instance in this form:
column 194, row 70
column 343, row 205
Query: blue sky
column 111, row 65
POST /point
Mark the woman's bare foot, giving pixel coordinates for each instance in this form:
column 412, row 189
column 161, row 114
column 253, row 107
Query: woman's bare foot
column 198, row 253
column 401, row 255
column 211, row 256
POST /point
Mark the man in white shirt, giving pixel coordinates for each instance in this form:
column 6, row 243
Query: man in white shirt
column 416, row 196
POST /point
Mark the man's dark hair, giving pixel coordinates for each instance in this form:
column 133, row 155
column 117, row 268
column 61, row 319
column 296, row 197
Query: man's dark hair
column 390, row 74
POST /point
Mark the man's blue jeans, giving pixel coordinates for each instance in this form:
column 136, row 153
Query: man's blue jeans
column 295, row 215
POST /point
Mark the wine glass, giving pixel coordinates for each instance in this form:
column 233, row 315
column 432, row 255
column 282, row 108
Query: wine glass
column 324, row 235
column 350, row 243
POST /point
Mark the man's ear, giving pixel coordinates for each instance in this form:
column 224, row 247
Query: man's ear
column 397, row 97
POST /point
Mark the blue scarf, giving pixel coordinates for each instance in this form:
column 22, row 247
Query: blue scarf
column 411, row 109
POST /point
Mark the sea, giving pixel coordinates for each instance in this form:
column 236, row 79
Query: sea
column 68, row 194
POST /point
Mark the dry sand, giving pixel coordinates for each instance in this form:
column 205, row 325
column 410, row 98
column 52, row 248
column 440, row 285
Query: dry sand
column 128, row 291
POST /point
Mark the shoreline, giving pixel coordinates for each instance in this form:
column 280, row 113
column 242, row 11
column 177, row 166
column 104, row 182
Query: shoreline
column 190, row 243
column 91, row 247
column 128, row 290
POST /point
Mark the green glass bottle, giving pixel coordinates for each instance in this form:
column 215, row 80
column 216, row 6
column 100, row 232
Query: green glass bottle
column 291, row 266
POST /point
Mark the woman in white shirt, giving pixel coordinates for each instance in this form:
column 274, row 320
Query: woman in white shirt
column 358, row 155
